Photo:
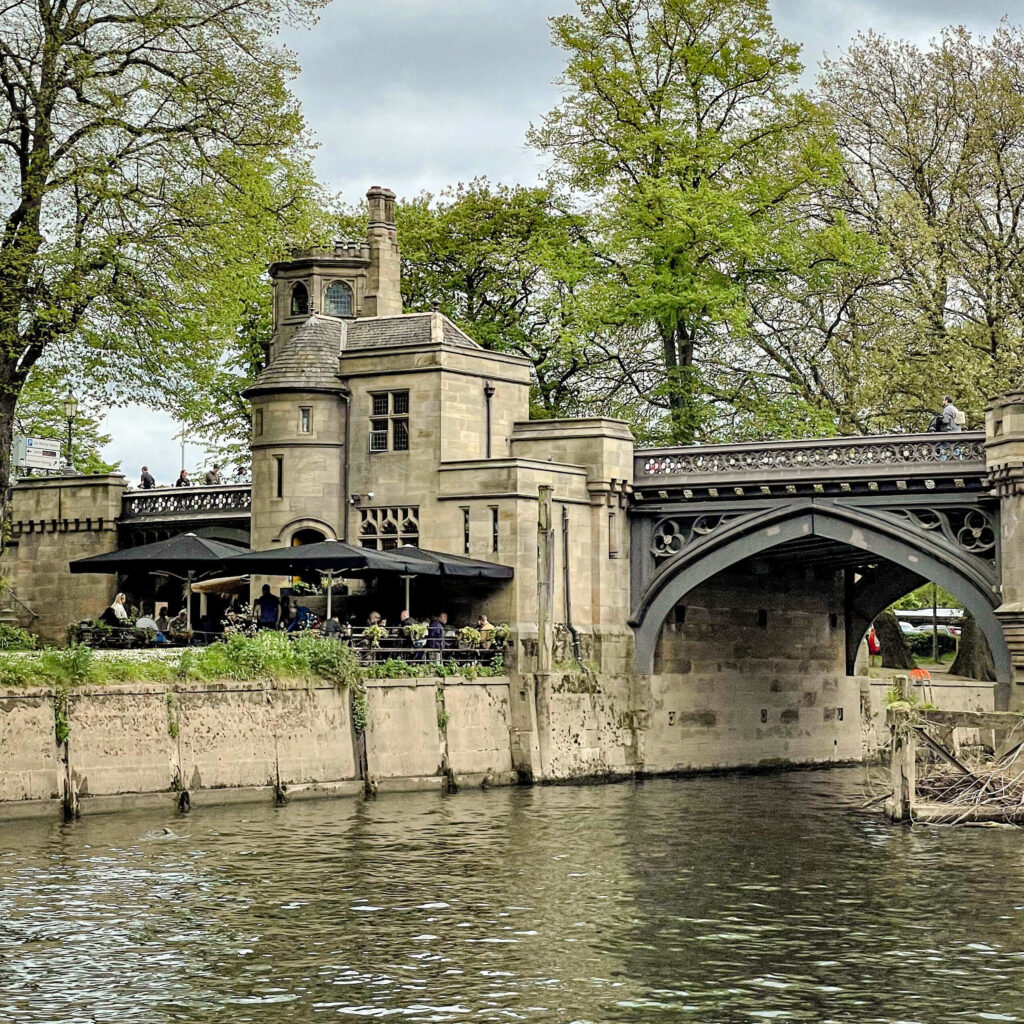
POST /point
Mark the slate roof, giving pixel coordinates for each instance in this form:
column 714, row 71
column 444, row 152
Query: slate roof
column 407, row 329
column 308, row 360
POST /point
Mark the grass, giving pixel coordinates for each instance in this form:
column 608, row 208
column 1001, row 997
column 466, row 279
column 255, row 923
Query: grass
column 266, row 656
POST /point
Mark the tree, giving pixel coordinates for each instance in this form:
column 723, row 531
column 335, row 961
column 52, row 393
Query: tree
column 933, row 146
column 151, row 157
column 973, row 654
column 682, row 132
column 895, row 653
column 508, row 265
column 40, row 413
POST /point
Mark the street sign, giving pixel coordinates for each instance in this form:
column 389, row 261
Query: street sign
column 37, row 453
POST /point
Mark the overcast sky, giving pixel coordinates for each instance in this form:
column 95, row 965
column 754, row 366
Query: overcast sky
column 421, row 94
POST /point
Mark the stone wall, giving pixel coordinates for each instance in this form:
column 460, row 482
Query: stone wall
column 55, row 520
column 957, row 695
column 222, row 742
column 419, row 729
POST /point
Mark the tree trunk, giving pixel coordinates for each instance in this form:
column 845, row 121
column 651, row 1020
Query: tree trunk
column 8, row 401
column 973, row 657
column 890, row 639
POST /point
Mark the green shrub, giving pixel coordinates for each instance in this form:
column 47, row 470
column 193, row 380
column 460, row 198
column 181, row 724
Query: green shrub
column 13, row 638
column 920, row 644
column 271, row 654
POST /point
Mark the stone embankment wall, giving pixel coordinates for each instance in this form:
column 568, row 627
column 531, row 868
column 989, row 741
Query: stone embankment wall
column 138, row 744
column 671, row 722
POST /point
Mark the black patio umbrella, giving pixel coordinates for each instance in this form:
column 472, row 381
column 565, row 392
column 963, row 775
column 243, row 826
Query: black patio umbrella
column 452, row 565
column 422, row 562
column 328, row 557
column 185, row 553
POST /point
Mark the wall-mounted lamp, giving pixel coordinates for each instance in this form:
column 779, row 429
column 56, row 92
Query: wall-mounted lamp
column 357, row 499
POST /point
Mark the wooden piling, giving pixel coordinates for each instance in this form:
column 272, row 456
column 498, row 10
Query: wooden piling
column 900, row 805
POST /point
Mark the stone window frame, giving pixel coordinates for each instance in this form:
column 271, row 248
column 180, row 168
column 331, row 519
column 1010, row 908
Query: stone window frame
column 347, row 289
column 305, row 419
column 292, row 310
column 386, row 527
column 257, row 423
column 389, row 421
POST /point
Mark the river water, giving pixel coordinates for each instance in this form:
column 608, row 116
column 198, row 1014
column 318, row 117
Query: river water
column 732, row 898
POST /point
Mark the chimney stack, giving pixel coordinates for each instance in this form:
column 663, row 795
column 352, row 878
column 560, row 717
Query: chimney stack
column 384, row 277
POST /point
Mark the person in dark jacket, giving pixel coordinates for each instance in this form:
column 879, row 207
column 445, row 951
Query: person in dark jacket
column 183, row 480
column 435, row 632
column 147, row 481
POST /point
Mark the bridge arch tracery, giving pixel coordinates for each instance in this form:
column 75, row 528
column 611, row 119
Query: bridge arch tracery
column 952, row 541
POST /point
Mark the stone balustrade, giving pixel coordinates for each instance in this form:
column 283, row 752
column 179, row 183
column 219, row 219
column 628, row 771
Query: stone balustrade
column 186, row 502
column 842, row 461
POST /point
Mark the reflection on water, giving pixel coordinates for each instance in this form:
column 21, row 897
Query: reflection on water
column 714, row 900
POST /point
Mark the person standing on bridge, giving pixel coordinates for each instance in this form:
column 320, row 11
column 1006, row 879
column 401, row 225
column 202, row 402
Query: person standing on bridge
column 146, row 481
column 951, row 417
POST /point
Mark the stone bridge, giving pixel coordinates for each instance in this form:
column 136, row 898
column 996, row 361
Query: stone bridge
column 221, row 512
column 871, row 517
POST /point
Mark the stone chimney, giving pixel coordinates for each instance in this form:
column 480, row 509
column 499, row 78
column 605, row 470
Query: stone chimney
column 383, row 295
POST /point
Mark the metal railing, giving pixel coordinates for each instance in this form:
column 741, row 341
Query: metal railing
column 816, row 459
column 167, row 502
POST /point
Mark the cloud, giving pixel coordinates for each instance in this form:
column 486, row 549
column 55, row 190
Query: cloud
column 146, row 437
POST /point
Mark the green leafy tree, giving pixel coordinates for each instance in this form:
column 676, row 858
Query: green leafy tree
column 933, row 147
column 509, row 266
column 40, row 413
column 150, row 160
column 682, row 130
column 512, row 268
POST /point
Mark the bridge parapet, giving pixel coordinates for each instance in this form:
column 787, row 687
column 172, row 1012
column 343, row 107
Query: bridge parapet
column 815, row 465
column 176, row 503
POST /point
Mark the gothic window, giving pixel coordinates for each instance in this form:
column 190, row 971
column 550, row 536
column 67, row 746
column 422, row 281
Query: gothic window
column 389, row 421
column 338, row 300
column 300, row 300
column 388, row 528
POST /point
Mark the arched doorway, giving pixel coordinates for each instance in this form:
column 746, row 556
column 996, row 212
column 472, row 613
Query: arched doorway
column 307, row 535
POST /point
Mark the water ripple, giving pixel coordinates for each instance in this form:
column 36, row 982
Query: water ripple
column 732, row 899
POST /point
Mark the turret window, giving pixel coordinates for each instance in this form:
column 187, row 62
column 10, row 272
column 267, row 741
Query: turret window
column 389, row 421
column 305, row 419
column 300, row 300
column 338, row 300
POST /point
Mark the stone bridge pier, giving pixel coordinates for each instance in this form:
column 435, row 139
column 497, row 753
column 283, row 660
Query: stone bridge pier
column 757, row 569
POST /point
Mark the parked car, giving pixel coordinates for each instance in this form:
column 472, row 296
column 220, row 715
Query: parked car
column 926, row 627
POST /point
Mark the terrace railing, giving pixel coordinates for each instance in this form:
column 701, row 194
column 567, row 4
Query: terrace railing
column 815, row 461
column 187, row 502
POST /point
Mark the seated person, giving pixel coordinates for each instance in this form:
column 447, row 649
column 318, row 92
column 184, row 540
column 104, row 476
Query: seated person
column 332, row 627
column 302, row 619
column 116, row 614
column 179, row 623
column 146, row 622
column 486, row 632
column 162, row 622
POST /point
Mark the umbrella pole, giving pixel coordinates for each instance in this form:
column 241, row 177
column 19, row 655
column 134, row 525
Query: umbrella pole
column 188, row 602
column 330, row 587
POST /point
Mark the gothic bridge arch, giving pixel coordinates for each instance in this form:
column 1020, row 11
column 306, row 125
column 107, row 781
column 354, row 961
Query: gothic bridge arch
column 891, row 513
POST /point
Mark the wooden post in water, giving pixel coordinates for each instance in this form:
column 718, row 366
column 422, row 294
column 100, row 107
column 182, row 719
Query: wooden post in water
column 900, row 805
